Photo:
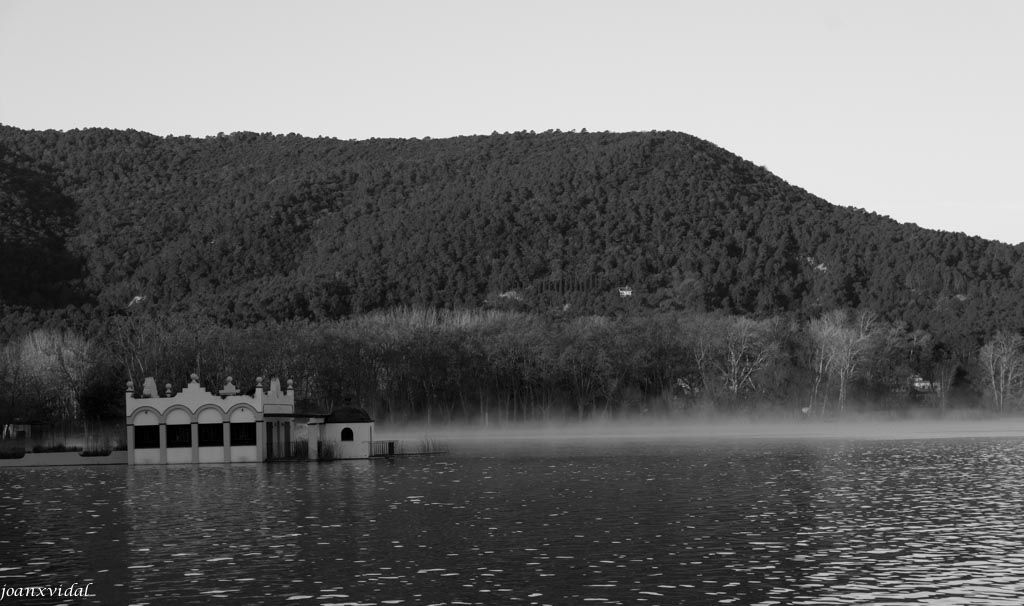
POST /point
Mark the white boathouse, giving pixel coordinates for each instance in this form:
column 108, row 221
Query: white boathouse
column 198, row 426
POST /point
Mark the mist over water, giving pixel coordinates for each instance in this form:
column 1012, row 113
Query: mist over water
column 861, row 427
column 720, row 515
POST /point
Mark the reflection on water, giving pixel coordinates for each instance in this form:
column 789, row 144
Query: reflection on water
column 746, row 522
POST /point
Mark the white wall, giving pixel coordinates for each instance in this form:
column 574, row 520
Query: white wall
column 358, row 448
column 244, row 454
column 177, row 455
column 147, row 456
column 211, row 454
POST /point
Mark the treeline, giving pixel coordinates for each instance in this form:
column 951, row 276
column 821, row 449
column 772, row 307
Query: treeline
column 640, row 272
column 247, row 228
column 496, row 367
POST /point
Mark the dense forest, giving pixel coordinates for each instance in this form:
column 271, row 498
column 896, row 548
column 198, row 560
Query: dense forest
column 648, row 251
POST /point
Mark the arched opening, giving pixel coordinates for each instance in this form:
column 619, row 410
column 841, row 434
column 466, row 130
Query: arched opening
column 347, row 435
column 243, row 426
column 211, row 427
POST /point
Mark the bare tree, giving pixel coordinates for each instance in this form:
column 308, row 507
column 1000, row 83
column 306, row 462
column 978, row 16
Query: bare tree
column 52, row 367
column 730, row 352
column 824, row 332
column 749, row 348
column 949, row 361
column 14, row 388
column 842, row 342
column 1002, row 360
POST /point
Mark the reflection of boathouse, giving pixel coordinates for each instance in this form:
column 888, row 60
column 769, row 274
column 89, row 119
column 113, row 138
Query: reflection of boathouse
column 197, row 426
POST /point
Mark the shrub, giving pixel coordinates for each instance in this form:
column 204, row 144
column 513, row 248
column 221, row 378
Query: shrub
column 56, row 448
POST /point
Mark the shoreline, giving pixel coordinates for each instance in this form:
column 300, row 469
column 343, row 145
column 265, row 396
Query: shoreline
column 903, row 429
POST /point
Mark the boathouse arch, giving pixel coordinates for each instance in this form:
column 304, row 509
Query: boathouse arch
column 178, row 415
column 242, row 413
column 210, row 413
column 145, row 415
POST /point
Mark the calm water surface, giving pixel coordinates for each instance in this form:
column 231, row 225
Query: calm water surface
column 584, row 521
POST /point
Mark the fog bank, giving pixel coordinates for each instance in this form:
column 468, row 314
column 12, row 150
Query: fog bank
column 847, row 429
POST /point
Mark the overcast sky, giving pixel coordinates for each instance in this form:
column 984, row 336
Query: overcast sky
column 911, row 109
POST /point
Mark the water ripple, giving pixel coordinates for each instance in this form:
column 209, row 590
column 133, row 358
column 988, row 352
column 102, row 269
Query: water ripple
column 887, row 522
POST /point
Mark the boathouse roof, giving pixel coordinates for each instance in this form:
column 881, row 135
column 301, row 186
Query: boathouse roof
column 348, row 414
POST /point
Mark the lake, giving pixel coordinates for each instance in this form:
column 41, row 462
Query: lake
column 639, row 520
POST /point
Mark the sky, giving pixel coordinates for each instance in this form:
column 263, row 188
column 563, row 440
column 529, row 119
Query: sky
column 909, row 109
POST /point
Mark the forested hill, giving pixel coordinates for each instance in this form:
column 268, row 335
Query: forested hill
column 249, row 227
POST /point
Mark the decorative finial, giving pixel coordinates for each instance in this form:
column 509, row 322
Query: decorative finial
column 129, row 386
column 229, row 388
column 167, row 389
column 194, row 377
column 290, row 384
column 259, row 382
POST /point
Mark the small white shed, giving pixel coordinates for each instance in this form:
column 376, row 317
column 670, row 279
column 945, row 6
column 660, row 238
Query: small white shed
column 347, row 433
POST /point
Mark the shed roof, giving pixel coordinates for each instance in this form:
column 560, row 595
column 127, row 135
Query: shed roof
column 348, row 414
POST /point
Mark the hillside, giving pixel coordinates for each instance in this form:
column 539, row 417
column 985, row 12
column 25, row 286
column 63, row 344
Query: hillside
column 246, row 228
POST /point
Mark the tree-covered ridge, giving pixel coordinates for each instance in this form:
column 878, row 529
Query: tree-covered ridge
column 36, row 220
column 246, row 228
